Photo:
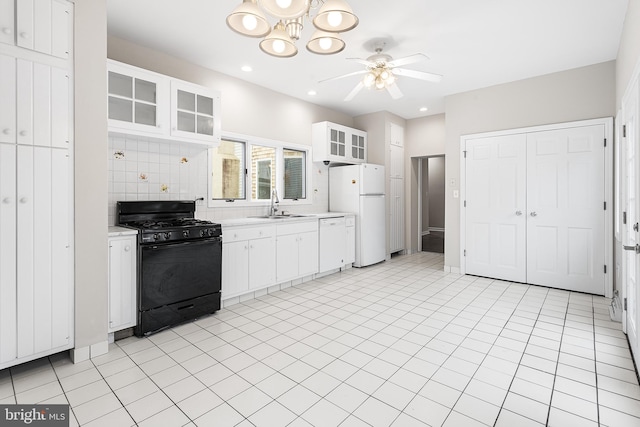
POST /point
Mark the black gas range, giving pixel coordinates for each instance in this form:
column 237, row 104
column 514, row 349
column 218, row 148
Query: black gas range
column 179, row 262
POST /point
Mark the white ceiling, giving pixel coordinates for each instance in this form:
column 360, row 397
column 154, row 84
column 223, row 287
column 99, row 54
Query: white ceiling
column 472, row 43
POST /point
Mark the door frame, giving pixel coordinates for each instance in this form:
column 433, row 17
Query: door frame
column 421, row 192
column 608, row 173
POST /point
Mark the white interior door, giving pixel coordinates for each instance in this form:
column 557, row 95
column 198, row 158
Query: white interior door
column 496, row 206
column 629, row 229
column 565, row 208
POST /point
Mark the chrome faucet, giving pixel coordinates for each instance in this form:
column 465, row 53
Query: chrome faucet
column 274, row 200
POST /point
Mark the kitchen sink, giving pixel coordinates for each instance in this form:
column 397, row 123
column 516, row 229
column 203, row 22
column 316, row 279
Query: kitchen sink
column 285, row 216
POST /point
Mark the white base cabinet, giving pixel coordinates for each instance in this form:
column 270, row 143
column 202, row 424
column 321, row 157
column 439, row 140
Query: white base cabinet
column 122, row 280
column 296, row 250
column 248, row 259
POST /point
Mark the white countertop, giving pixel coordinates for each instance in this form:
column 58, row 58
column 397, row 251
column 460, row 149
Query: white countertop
column 237, row 222
column 115, row 230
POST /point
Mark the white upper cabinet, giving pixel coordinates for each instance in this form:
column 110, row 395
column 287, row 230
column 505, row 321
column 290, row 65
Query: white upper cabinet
column 195, row 112
column 145, row 103
column 137, row 99
column 34, row 103
column 337, row 143
column 39, row 25
column 396, row 135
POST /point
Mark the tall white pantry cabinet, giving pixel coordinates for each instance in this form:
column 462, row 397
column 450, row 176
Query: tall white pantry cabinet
column 36, row 215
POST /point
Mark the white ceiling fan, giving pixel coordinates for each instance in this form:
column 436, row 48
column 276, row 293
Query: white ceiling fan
column 382, row 71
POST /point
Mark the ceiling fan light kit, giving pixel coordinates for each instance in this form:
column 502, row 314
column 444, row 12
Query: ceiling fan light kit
column 333, row 17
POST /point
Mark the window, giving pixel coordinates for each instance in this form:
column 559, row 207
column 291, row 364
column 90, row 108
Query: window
column 228, row 178
column 294, row 174
column 263, row 171
column 244, row 171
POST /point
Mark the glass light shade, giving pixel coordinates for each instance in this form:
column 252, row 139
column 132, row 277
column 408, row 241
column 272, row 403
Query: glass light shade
column 335, row 16
column 289, row 9
column 324, row 43
column 248, row 20
column 278, row 43
column 369, row 79
column 379, row 83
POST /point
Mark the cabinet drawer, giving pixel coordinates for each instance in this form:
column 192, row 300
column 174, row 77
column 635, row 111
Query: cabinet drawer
column 236, row 234
column 297, row 227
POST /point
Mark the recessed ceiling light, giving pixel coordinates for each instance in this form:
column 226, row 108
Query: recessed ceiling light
column 312, row 93
column 246, row 69
column 423, row 109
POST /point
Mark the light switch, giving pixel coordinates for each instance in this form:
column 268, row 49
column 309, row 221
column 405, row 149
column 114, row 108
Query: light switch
column 456, row 194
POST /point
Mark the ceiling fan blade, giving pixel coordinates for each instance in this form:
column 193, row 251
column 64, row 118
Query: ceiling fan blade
column 430, row 77
column 355, row 73
column 363, row 62
column 354, row 92
column 394, row 91
column 412, row 59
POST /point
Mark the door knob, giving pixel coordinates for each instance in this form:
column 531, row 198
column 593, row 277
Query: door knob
column 635, row 248
column 533, row 214
column 518, row 213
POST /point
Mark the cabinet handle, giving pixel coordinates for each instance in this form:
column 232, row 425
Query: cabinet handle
column 23, row 200
column 6, row 131
column 6, row 200
column 7, row 30
column 23, row 133
column 25, row 35
column 127, row 248
column 533, row 214
column 518, row 213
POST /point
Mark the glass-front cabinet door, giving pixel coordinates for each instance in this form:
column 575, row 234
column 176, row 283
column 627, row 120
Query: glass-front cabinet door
column 358, row 149
column 135, row 99
column 337, row 142
column 195, row 112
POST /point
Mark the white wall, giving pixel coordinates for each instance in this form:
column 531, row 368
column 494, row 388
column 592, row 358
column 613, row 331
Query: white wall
column 582, row 93
column 436, row 190
column 90, row 45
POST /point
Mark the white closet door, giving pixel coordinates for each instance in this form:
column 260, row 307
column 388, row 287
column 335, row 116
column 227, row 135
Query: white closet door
column 495, row 207
column 565, row 201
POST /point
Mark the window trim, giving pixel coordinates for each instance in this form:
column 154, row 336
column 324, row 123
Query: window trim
column 279, row 146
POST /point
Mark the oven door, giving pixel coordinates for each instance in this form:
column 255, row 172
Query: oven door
column 175, row 272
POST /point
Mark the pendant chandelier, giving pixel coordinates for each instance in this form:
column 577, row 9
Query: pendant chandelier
column 332, row 18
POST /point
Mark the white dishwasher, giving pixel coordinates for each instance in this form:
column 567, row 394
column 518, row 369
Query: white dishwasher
column 332, row 249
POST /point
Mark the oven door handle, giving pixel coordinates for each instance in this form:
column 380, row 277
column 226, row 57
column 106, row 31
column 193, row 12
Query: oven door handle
column 208, row 240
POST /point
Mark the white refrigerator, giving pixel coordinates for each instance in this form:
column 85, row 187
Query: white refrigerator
column 359, row 189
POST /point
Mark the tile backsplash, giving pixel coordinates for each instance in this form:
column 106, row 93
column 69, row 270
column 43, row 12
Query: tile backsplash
column 141, row 169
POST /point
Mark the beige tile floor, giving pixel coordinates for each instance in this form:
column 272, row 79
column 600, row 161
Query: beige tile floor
column 397, row 344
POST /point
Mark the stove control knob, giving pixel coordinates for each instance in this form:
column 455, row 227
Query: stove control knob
column 210, row 232
column 203, row 233
column 155, row 236
column 167, row 235
column 185, row 233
